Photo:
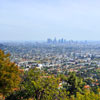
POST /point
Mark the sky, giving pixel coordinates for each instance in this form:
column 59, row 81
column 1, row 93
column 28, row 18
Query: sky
column 41, row 19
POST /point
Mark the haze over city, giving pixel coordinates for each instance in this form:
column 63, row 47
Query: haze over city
column 41, row 19
column 49, row 49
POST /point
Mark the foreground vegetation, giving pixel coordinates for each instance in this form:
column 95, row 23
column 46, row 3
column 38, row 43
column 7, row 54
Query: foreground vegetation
column 35, row 84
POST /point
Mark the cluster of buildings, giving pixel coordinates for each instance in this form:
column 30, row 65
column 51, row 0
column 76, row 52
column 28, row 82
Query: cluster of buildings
column 60, row 58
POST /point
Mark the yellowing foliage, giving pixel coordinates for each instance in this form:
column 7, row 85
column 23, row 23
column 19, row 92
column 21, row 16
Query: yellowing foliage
column 9, row 74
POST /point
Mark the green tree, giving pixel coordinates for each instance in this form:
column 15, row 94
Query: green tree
column 9, row 74
column 42, row 87
column 74, row 84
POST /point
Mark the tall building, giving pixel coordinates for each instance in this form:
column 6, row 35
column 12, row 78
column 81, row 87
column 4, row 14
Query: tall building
column 49, row 40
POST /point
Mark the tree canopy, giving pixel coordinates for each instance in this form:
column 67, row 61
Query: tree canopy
column 9, row 74
column 42, row 87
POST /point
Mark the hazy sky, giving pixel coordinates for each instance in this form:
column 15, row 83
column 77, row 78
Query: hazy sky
column 41, row 19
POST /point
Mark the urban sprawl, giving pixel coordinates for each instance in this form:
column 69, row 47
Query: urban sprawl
column 57, row 57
